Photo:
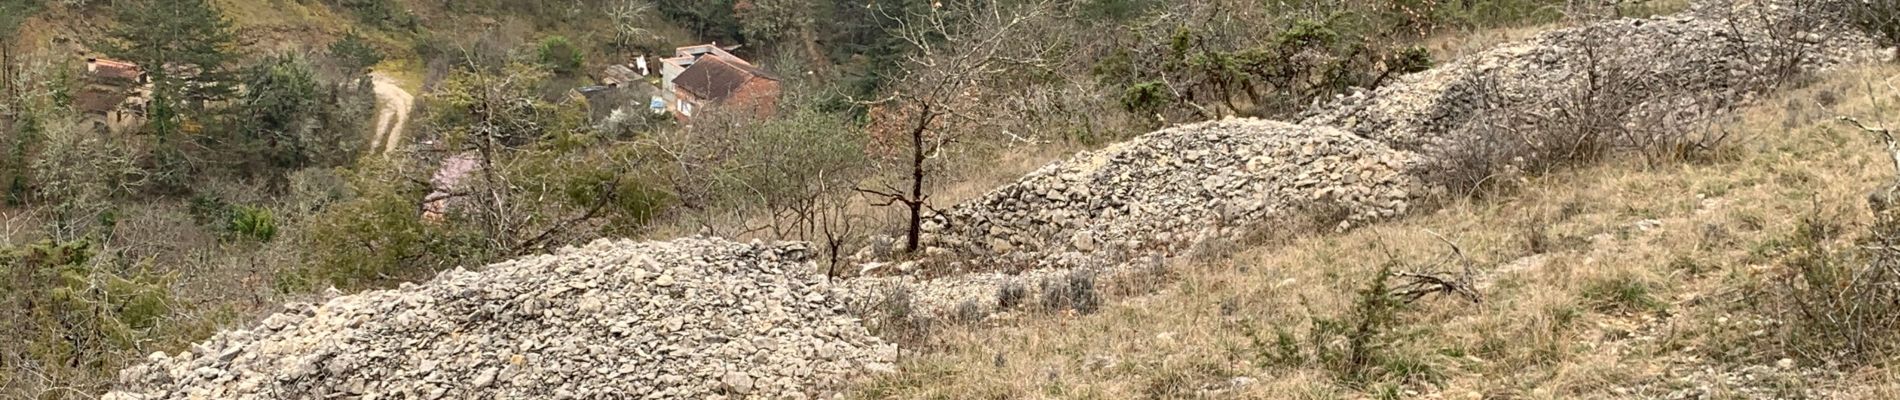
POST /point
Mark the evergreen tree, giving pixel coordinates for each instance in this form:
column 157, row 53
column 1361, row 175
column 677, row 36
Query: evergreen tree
column 354, row 53
column 278, row 105
column 288, row 119
column 183, row 45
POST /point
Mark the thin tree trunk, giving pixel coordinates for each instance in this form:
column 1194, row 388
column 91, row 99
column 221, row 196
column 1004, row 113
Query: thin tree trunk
column 6, row 73
column 916, row 200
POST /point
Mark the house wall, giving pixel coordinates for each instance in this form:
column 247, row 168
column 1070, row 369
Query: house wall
column 670, row 69
column 680, row 98
column 759, row 95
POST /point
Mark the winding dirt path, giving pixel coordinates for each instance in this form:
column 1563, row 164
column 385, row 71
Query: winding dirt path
column 393, row 105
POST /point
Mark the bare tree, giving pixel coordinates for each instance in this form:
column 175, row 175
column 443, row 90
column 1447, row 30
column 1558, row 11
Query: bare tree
column 943, row 90
column 785, row 177
column 521, row 193
column 627, row 17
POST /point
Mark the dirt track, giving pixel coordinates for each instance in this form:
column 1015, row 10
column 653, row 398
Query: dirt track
column 393, row 105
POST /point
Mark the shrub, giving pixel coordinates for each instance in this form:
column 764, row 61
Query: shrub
column 234, row 221
column 560, row 55
column 74, row 316
column 895, row 317
column 968, row 311
column 1010, row 295
column 1352, row 344
column 1075, row 291
column 207, row 209
column 370, row 239
column 1490, row 13
column 1842, row 305
column 384, row 13
column 1596, row 114
column 253, row 223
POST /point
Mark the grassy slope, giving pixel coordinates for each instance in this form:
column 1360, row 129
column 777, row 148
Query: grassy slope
column 1608, row 309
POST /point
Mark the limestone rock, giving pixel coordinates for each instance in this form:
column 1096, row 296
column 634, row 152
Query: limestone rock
column 583, row 323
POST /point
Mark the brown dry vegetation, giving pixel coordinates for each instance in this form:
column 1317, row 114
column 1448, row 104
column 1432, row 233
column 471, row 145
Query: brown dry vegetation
column 1612, row 281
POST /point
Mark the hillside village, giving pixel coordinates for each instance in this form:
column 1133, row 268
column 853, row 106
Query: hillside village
column 957, row 199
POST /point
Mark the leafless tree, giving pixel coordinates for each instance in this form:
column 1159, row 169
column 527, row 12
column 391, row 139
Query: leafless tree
column 944, row 90
column 496, row 119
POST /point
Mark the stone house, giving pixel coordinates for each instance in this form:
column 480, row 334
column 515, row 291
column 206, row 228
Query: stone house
column 113, row 94
column 705, row 76
column 686, row 57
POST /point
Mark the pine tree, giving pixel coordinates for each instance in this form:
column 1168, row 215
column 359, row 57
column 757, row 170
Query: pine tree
column 354, row 53
column 184, row 46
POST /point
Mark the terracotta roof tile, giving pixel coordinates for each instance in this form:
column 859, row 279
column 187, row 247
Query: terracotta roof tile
column 715, row 78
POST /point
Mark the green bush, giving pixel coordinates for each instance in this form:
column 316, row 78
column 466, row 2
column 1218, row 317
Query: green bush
column 1115, row 10
column 371, row 239
column 560, row 55
column 253, row 223
column 1353, row 344
column 1301, row 61
column 1363, row 346
column 234, row 221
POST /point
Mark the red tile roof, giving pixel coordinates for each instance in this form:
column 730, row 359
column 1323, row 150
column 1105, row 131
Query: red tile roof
column 113, row 69
column 715, row 78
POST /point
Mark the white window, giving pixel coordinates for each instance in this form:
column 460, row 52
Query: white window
column 686, row 108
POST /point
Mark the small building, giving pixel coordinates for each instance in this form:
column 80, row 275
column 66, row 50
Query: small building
column 618, row 75
column 686, row 57
column 123, row 72
column 723, row 81
column 113, row 94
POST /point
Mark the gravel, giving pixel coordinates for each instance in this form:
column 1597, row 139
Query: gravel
column 688, row 318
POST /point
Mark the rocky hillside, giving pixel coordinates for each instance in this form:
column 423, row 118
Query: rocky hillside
column 699, row 318
column 1364, row 156
column 1703, row 60
column 1372, row 155
column 1170, row 189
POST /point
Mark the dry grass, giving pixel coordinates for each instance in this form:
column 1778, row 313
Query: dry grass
column 1614, row 281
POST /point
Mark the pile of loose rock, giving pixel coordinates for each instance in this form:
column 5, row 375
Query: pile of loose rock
column 688, row 318
column 1169, row 189
column 1370, row 155
column 1679, row 69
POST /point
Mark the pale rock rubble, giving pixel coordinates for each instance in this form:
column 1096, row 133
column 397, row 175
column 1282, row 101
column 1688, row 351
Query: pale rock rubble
column 1167, row 190
column 688, row 318
column 1685, row 66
